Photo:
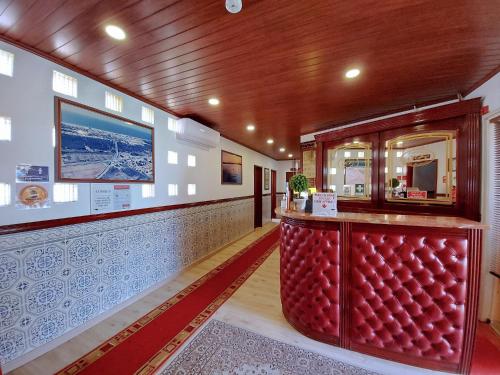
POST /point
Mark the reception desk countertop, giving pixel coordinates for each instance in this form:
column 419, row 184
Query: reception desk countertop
column 389, row 219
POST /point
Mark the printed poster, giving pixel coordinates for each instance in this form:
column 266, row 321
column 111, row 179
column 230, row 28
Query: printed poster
column 32, row 173
column 31, row 196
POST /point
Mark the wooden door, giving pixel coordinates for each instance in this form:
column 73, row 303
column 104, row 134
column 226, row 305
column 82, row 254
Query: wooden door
column 257, row 196
column 273, row 194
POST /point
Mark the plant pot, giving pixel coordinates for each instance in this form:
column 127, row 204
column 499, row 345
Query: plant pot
column 300, row 204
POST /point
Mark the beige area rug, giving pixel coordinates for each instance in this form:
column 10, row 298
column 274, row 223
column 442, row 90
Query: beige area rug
column 222, row 349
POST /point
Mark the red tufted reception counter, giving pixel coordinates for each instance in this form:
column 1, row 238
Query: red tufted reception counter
column 400, row 287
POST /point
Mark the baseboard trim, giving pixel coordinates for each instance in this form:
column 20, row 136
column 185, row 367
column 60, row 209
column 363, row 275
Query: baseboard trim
column 35, row 353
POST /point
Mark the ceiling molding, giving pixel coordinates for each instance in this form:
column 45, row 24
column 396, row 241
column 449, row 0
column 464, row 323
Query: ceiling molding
column 394, row 112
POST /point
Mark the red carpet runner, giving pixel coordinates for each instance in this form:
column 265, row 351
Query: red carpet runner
column 146, row 344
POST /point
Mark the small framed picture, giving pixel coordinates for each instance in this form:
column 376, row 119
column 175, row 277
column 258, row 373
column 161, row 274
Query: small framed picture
column 232, row 168
column 347, row 190
column 359, row 189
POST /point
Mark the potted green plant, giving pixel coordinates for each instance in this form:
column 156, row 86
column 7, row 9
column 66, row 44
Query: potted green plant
column 299, row 184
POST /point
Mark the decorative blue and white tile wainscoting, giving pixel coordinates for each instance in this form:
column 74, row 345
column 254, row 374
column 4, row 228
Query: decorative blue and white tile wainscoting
column 53, row 281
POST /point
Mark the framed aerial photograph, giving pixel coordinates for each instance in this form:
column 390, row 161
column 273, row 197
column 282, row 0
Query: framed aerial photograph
column 96, row 146
column 266, row 178
column 232, row 168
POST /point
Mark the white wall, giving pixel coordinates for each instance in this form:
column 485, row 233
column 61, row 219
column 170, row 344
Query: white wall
column 283, row 167
column 28, row 99
column 490, row 92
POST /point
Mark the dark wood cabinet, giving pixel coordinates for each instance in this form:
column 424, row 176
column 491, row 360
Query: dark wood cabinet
column 462, row 118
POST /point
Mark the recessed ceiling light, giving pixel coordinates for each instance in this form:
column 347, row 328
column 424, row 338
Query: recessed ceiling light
column 282, row 149
column 250, row 128
column 115, row 32
column 234, row 6
column 270, row 141
column 290, row 155
column 213, row 101
column 400, row 143
column 352, row 73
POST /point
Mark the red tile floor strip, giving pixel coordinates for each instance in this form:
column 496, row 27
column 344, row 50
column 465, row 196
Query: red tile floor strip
column 486, row 357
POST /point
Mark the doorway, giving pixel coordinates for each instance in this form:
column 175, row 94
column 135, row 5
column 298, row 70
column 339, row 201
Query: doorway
column 257, row 196
column 273, row 194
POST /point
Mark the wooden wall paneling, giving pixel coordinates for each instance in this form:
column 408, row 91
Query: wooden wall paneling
column 474, row 237
column 345, row 272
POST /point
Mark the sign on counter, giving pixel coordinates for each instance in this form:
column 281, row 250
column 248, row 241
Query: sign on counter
column 324, row 204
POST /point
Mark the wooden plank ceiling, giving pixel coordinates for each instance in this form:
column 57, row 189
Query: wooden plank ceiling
column 278, row 64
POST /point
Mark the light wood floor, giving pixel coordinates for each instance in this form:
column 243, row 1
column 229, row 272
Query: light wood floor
column 255, row 307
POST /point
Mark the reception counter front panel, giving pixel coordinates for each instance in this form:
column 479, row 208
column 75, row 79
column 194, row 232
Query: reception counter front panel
column 404, row 293
column 310, row 278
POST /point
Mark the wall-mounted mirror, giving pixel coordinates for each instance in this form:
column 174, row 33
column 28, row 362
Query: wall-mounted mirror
column 350, row 170
column 421, row 168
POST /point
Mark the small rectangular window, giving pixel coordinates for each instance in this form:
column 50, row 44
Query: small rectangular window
column 347, row 154
column 333, row 187
column 333, row 170
column 191, row 189
column 172, row 157
column 64, row 84
column 399, row 154
column 191, row 161
column 148, row 115
column 361, row 154
column 4, row 194
column 399, row 169
column 5, row 129
column 172, row 125
column 114, row 102
column 65, row 193
column 148, row 190
column 172, row 190
column 6, row 63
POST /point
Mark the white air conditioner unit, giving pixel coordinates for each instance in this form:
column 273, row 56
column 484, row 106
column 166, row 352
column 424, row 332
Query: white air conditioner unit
column 195, row 133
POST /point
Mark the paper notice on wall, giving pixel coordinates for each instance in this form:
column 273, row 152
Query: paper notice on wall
column 325, row 204
column 121, row 197
column 106, row 198
column 101, row 197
